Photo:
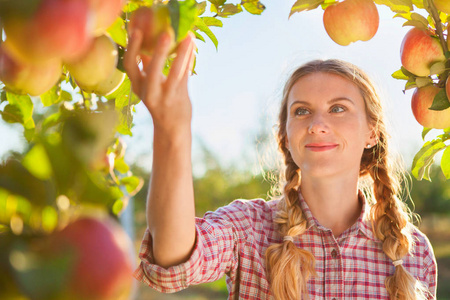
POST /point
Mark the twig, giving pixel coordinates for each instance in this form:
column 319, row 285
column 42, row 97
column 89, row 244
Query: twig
column 438, row 24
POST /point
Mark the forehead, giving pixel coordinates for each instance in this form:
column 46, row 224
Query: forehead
column 321, row 86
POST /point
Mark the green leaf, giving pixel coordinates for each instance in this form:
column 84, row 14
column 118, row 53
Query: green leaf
column 415, row 24
column 200, row 24
column 254, row 7
column 182, row 17
column 418, row 4
column 125, row 121
column 302, row 5
column 201, row 8
column 423, row 81
column 210, row 21
column 118, row 32
column 425, row 132
column 121, row 166
column 437, row 68
column 229, row 9
column 425, row 157
column 399, row 6
column 399, row 75
column 440, row 101
column 53, row 96
column 445, row 162
column 217, row 2
column 199, row 36
column 131, row 183
column 37, row 162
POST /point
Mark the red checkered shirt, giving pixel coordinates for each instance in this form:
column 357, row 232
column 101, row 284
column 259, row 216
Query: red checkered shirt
column 233, row 240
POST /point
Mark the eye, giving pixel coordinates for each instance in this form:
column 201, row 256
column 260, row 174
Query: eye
column 337, row 109
column 301, row 111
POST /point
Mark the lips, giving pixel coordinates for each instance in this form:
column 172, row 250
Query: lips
column 318, row 147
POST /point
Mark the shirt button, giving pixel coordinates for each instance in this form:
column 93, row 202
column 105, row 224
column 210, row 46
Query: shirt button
column 334, row 255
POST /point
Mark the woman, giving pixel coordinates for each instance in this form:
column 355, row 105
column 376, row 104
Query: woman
column 339, row 229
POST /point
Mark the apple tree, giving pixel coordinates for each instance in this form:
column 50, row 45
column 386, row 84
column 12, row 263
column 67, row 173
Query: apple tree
column 67, row 55
column 60, row 198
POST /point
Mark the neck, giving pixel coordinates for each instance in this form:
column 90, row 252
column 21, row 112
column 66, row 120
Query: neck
column 333, row 202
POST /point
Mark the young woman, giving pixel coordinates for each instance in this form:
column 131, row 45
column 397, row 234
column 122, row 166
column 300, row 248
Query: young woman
column 338, row 230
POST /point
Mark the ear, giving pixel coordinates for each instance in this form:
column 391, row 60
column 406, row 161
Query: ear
column 374, row 137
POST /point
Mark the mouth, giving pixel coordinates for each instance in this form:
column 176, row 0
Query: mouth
column 319, row 147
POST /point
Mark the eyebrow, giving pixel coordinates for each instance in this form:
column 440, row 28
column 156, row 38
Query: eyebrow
column 334, row 100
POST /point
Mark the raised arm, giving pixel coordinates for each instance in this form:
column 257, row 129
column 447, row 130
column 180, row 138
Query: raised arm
column 170, row 204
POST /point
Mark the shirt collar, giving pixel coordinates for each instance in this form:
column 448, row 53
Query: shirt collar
column 362, row 224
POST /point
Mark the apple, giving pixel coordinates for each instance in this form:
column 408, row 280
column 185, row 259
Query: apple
column 57, row 29
column 111, row 84
column 351, row 20
column 421, row 100
column 151, row 21
column 106, row 12
column 27, row 78
column 100, row 257
column 419, row 51
column 442, row 5
column 447, row 87
column 96, row 65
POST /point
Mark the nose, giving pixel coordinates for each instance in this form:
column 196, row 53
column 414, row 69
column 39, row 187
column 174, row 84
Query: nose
column 318, row 125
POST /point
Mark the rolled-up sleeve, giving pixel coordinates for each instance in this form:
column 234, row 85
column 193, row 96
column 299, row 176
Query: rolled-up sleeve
column 215, row 253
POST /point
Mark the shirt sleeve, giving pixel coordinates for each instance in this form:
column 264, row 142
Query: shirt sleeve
column 215, row 253
column 430, row 270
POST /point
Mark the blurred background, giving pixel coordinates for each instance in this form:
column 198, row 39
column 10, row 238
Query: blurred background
column 235, row 96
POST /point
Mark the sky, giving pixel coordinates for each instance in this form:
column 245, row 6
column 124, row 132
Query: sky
column 237, row 87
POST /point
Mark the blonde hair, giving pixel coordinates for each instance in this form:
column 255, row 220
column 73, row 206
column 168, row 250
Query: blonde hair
column 389, row 215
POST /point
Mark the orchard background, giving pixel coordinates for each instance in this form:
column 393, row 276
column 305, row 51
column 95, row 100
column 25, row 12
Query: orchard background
column 82, row 152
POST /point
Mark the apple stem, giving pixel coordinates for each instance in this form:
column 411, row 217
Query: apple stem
column 438, row 24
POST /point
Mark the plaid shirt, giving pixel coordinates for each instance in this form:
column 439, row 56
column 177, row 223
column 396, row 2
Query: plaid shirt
column 233, row 240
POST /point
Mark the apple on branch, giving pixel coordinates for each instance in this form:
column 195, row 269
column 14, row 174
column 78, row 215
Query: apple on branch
column 351, row 20
column 25, row 77
column 56, row 29
column 151, row 21
column 101, row 258
column 96, row 65
column 421, row 101
column 419, row 51
column 106, row 12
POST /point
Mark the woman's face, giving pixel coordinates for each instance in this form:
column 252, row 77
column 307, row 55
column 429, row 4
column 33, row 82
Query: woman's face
column 327, row 127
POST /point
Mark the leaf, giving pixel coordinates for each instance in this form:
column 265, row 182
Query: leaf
column 37, row 162
column 417, row 24
column 217, row 2
column 425, row 132
column 200, row 24
column 440, row 101
column 131, row 183
column 201, row 8
column 118, row 32
column 254, row 7
column 399, row 75
column 399, row 6
column 182, row 17
column 121, row 166
column 445, row 162
column 425, row 157
column 302, row 5
column 199, row 36
column 437, row 68
column 418, row 4
column 229, row 9
column 210, row 21
column 423, row 81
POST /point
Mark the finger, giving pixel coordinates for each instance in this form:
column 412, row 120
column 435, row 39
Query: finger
column 130, row 58
column 188, row 70
column 158, row 60
column 181, row 62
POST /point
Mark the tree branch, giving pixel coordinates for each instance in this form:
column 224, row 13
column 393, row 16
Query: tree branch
column 438, row 24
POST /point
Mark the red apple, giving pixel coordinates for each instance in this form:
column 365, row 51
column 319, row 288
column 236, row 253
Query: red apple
column 106, row 12
column 151, row 21
column 443, row 5
column 101, row 259
column 351, row 20
column 28, row 78
column 447, row 87
column 96, row 65
column 57, row 29
column 421, row 100
column 419, row 51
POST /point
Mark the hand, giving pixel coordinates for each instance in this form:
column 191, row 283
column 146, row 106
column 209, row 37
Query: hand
column 167, row 99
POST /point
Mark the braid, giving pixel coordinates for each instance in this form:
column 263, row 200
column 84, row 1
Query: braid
column 285, row 260
column 391, row 224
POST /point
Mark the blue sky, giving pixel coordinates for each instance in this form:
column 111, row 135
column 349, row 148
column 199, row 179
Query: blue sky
column 239, row 85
